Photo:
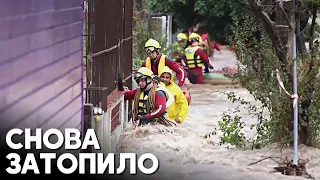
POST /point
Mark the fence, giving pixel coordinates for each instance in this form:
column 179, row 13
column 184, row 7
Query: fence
column 109, row 46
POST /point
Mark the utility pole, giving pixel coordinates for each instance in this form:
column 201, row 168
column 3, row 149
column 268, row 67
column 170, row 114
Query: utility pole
column 169, row 30
column 295, row 90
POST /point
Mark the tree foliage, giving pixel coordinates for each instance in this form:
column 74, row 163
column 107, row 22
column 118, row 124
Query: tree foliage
column 144, row 28
column 263, row 45
column 273, row 50
column 215, row 17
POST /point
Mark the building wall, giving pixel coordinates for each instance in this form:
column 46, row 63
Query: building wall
column 41, row 64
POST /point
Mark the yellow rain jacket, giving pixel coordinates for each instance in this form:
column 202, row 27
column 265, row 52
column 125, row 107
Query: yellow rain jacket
column 179, row 108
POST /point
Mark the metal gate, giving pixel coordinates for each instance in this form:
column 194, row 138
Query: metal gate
column 108, row 44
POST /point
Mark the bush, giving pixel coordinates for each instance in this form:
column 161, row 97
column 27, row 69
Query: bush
column 306, row 31
column 260, row 79
column 142, row 31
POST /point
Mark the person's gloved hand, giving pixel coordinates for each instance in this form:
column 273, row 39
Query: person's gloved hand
column 141, row 117
column 210, row 67
column 119, row 83
column 186, row 81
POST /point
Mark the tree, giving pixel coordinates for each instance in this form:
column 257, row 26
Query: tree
column 263, row 32
column 215, row 17
column 279, row 20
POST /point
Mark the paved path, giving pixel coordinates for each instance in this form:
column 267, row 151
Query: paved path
column 225, row 59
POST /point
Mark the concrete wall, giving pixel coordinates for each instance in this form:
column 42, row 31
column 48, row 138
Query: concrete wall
column 116, row 116
column 41, row 63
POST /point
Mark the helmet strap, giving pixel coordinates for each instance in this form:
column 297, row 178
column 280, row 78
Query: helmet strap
column 156, row 56
column 146, row 86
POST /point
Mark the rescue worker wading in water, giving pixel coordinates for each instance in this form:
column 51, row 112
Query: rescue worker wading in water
column 156, row 61
column 181, row 44
column 149, row 100
column 179, row 109
column 195, row 58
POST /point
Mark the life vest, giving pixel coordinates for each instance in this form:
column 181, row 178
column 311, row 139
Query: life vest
column 142, row 107
column 162, row 63
column 193, row 60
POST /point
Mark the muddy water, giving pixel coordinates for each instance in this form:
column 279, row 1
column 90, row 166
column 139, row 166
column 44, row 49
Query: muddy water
column 184, row 153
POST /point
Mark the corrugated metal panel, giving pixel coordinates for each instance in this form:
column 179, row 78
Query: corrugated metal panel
column 41, row 63
column 109, row 42
column 109, row 47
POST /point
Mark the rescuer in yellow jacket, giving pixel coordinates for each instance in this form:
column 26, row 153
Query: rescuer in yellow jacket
column 179, row 109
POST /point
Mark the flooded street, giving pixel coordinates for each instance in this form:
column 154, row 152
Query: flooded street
column 184, row 153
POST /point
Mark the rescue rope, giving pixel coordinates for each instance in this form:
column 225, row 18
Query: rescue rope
column 151, row 107
column 281, row 86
